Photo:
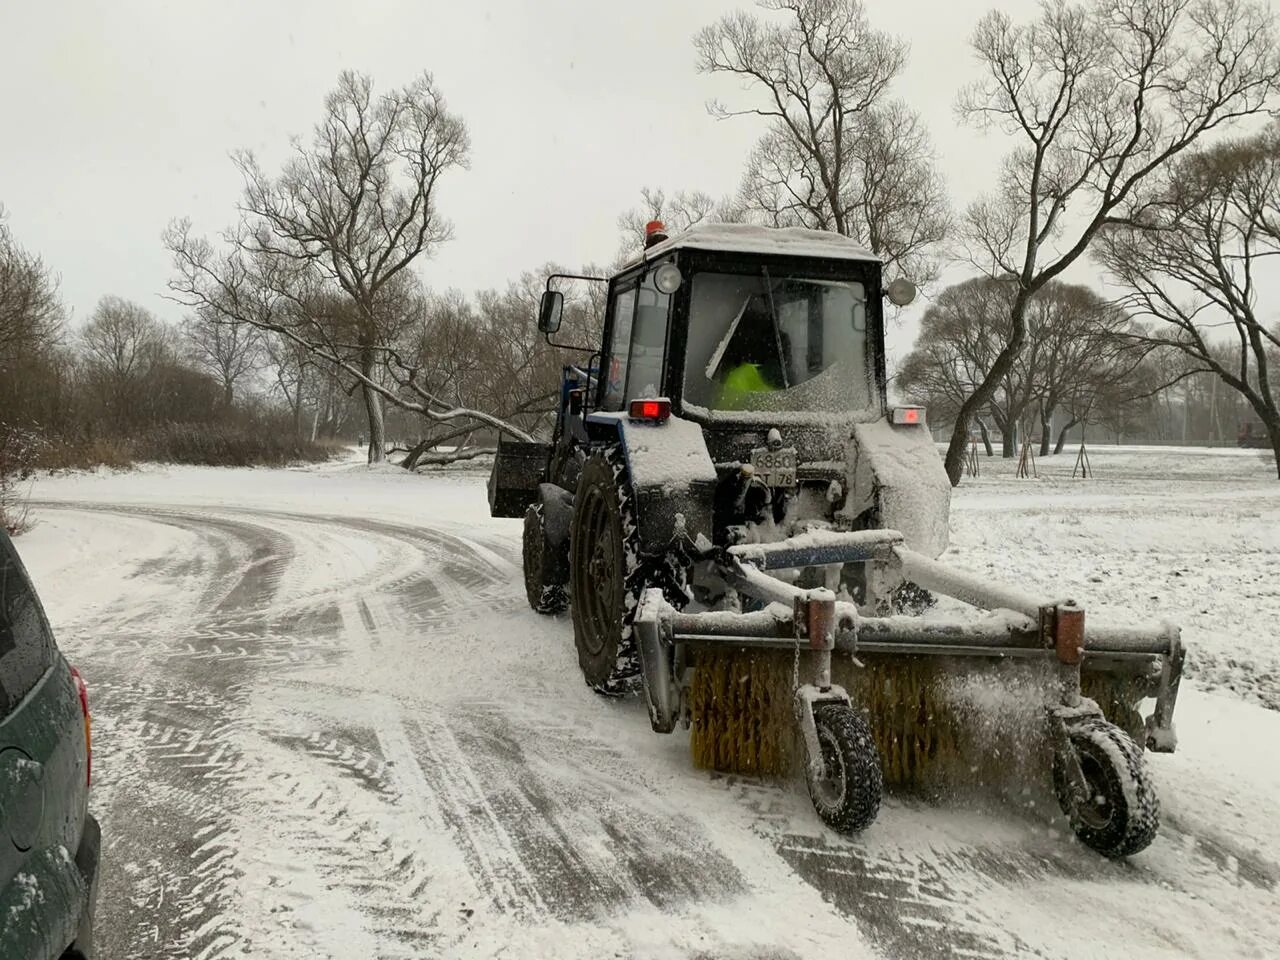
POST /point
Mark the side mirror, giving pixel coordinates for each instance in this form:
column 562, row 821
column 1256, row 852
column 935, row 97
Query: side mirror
column 550, row 311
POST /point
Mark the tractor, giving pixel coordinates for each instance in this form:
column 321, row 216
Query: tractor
column 727, row 478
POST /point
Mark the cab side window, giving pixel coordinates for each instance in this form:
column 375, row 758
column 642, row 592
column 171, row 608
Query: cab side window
column 26, row 648
column 648, row 342
column 616, row 363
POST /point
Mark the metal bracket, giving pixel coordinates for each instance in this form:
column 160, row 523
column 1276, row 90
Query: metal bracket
column 807, row 696
column 1161, row 736
column 652, row 628
column 815, row 618
column 1062, row 629
column 1060, row 721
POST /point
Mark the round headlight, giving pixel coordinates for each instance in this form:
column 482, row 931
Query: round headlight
column 667, row 278
column 901, row 292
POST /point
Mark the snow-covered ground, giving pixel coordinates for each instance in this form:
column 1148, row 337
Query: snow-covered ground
column 327, row 724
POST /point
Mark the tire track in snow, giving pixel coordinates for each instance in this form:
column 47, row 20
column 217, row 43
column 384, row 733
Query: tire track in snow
column 165, row 777
column 169, row 767
column 445, row 795
column 909, row 903
column 248, row 558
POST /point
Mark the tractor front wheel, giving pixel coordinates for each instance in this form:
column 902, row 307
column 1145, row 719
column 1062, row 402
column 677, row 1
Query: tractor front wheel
column 603, row 555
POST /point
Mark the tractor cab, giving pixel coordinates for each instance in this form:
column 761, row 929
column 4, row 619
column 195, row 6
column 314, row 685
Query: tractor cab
column 742, row 326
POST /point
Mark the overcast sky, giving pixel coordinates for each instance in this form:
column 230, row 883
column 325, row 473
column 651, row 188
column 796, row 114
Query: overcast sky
column 120, row 115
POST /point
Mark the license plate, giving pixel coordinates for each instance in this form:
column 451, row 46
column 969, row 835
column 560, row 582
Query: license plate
column 777, row 468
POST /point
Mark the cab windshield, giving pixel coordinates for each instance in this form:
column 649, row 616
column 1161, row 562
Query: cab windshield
column 763, row 342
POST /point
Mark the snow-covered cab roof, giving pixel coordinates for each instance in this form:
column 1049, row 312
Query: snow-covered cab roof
column 749, row 238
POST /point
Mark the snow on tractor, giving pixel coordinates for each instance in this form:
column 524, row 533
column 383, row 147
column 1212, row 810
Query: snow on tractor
column 744, row 529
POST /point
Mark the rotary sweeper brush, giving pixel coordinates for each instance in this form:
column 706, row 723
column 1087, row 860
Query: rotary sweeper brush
column 746, row 530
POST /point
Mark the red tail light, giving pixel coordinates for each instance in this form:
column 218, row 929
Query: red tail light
column 908, row 416
column 653, row 411
column 83, row 689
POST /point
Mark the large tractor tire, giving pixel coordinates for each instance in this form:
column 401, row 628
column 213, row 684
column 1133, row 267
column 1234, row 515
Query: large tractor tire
column 544, row 580
column 604, row 575
column 608, row 573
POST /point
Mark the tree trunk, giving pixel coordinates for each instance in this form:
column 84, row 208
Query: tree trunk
column 954, row 461
column 986, row 437
column 228, row 395
column 373, row 408
column 1046, row 429
column 1006, row 445
column 1062, row 436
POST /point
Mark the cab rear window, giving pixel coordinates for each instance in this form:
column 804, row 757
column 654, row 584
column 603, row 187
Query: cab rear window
column 26, row 648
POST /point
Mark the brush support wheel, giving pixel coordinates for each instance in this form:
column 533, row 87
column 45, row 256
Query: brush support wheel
column 1121, row 814
column 847, row 798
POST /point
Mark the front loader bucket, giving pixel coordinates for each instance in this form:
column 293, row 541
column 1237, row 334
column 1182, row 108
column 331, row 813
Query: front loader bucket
column 518, row 468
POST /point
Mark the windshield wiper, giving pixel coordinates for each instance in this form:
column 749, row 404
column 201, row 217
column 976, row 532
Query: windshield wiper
column 777, row 327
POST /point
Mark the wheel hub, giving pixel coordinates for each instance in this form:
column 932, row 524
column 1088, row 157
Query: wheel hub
column 829, row 789
column 1095, row 810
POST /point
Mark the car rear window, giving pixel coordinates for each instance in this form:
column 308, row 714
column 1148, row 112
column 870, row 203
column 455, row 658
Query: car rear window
column 26, row 647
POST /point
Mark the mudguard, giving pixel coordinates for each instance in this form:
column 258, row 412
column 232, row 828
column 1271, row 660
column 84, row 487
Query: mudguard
column 671, row 472
column 897, row 471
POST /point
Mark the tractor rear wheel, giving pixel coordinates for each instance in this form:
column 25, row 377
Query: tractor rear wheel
column 543, row 582
column 603, row 557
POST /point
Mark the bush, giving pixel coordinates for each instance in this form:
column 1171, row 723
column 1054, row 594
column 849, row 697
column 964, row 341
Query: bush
column 213, row 445
column 248, row 443
column 85, row 453
column 19, row 451
column 225, row 445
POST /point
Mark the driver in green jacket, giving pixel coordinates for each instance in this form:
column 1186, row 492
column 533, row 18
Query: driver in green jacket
column 738, row 385
column 750, row 361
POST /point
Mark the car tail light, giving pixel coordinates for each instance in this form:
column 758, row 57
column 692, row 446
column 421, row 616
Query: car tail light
column 907, row 416
column 650, row 411
column 83, row 689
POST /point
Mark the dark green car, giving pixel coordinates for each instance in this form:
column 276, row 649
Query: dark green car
column 49, row 842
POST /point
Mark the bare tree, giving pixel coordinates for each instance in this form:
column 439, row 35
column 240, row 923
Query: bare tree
column 838, row 153
column 290, row 366
column 1194, row 261
column 357, row 207
column 230, row 352
column 268, row 292
column 31, row 312
column 124, row 339
column 130, row 368
column 1082, row 347
column 1099, row 99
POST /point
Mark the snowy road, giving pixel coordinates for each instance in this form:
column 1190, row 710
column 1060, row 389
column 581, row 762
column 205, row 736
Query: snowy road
column 326, row 724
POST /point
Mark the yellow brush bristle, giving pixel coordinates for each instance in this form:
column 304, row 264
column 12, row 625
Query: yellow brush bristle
column 742, row 717
column 937, row 722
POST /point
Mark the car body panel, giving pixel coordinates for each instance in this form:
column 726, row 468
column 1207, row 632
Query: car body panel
column 48, row 842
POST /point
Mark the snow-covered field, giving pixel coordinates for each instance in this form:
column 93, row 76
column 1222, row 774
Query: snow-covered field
column 327, row 724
